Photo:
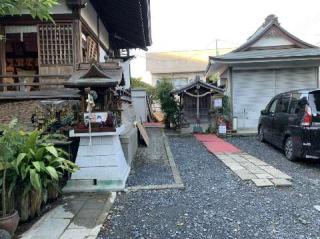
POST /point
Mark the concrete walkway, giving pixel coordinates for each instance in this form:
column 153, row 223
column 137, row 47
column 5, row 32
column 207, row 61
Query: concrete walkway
column 79, row 216
column 246, row 166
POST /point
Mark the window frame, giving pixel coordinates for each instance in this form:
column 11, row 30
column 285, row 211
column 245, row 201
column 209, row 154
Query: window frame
column 280, row 100
column 270, row 105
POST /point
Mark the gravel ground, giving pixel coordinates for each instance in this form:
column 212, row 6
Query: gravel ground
column 217, row 204
column 151, row 165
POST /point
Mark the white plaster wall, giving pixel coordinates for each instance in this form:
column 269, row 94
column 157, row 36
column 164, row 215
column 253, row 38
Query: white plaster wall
column 272, row 41
column 139, row 103
column 89, row 14
column 126, row 73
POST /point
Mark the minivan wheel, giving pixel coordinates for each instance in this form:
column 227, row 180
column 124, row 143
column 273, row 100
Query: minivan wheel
column 288, row 149
column 261, row 134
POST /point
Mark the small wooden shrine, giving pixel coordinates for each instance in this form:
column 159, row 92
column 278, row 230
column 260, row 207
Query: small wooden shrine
column 100, row 156
column 196, row 102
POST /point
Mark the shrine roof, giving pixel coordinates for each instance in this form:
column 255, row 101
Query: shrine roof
column 102, row 75
column 197, row 83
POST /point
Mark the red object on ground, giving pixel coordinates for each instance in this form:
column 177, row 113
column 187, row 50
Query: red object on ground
column 215, row 144
column 153, row 124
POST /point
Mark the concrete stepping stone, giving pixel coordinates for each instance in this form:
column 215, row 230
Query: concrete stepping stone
column 275, row 172
column 262, row 182
column 278, row 182
column 244, row 165
column 264, row 175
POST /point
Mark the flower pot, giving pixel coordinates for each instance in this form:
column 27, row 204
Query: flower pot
column 10, row 222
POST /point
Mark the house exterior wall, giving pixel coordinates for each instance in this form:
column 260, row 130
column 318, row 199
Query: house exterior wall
column 178, row 79
column 253, row 89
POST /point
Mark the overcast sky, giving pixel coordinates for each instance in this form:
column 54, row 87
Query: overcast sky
column 196, row 24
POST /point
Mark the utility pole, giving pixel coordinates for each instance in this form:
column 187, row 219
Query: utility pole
column 217, row 51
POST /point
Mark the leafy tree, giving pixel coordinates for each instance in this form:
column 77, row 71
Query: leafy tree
column 138, row 83
column 214, row 78
column 168, row 104
column 37, row 8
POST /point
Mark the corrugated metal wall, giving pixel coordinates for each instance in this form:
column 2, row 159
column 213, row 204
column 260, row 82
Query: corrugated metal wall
column 253, row 89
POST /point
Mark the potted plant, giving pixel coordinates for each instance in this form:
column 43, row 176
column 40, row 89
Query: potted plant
column 9, row 217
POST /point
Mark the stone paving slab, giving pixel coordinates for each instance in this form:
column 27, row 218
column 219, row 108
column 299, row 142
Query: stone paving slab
column 79, row 216
column 262, row 182
column 244, row 165
column 248, row 167
column 281, row 182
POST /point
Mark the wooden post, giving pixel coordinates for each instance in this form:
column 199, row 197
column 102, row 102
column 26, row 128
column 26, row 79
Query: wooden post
column 3, row 55
column 77, row 43
column 3, row 51
column 98, row 31
column 198, row 103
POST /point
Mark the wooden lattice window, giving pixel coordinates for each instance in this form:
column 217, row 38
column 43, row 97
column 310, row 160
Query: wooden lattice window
column 56, row 44
column 92, row 49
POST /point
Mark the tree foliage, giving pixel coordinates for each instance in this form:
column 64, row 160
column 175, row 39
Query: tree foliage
column 138, row 83
column 37, row 8
column 168, row 104
column 214, row 78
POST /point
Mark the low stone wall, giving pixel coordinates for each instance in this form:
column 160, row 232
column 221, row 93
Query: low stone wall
column 22, row 110
column 129, row 143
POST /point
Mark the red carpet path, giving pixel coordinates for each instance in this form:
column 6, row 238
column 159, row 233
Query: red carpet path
column 215, row 144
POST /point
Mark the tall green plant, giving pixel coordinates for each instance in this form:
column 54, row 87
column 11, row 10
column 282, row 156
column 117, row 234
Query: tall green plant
column 168, row 104
column 33, row 165
column 7, row 150
column 138, row 83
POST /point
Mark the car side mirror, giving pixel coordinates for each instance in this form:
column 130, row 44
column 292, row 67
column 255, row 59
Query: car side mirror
column 263, row 112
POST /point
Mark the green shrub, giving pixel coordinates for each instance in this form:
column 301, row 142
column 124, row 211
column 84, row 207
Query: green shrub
column 169, row 106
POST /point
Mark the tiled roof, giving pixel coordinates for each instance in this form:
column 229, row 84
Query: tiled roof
column 267, row 55
column 194, row 84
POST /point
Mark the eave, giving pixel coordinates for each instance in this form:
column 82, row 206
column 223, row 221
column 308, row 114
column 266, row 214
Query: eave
column 128, row 22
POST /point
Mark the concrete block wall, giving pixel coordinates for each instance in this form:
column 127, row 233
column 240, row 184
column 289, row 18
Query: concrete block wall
column 139, row 102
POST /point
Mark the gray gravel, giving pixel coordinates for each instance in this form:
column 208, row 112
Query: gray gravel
column 217, row 204
column 151, row 165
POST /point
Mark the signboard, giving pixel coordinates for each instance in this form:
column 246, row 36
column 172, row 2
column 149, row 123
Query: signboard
column 217, row 103
column 222, row 129
column 96, row 117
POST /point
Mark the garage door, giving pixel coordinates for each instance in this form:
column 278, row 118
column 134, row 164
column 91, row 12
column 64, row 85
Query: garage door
column 252, row 90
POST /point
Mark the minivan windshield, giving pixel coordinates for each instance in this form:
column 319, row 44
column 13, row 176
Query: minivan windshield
column 314, row 102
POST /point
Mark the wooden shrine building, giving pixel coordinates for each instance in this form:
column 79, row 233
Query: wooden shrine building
column 37, row 58
column 196, row 101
